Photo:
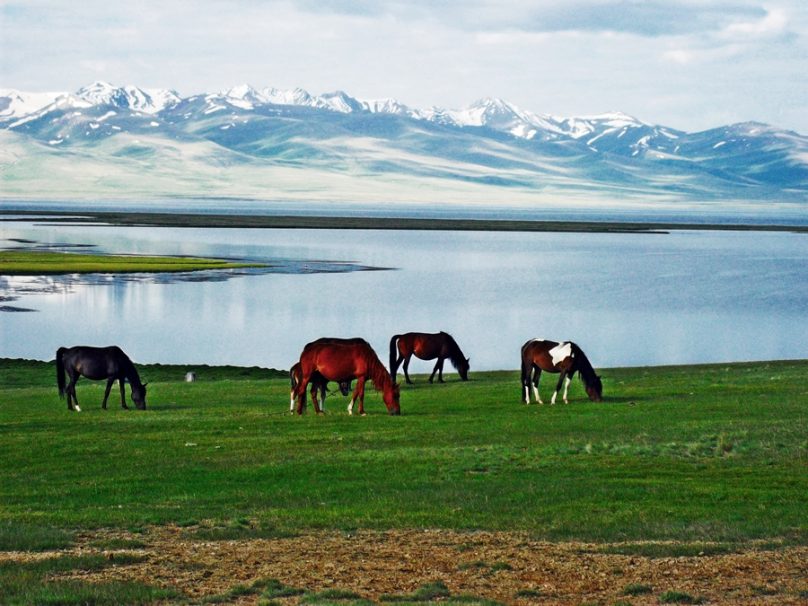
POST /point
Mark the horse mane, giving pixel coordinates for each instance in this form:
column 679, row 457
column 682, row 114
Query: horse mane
column 584, row 366
column 456, row 356
column 378, row 373
column 129, row 370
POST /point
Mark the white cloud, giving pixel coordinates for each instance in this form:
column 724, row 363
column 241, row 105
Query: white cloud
column 553, row 56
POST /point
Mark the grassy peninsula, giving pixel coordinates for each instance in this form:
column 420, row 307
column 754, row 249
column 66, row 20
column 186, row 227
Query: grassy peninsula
column 36, row 262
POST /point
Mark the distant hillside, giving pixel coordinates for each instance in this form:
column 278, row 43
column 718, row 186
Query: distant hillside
column 123, row 142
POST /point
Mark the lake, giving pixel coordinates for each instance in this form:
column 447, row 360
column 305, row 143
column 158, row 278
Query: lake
column 626, row 299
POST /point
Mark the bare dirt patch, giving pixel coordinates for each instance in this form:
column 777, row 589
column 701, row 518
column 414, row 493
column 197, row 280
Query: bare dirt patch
column 511, row 568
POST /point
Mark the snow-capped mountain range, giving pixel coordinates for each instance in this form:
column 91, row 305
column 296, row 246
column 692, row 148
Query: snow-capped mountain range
column 107, row 140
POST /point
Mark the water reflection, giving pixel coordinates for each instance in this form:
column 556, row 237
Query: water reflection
column 628, row 299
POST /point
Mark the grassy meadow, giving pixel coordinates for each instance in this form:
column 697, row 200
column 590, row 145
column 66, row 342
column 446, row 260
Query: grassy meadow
column 704, row 453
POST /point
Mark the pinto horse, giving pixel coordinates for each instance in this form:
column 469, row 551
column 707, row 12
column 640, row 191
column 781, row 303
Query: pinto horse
column 427, row 347
column 345, row 361
column 566, row 358
column 97, row 363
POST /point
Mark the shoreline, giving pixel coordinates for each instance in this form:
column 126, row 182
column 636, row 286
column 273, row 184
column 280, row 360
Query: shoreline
column 236, row 221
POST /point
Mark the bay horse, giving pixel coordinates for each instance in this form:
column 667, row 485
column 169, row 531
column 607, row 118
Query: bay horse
column 427, row 346
column 565, row 358
column 318, row 383
column 344, row 361
column 97, row 364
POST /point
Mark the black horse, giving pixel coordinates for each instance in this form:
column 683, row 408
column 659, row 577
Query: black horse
column 98, row 363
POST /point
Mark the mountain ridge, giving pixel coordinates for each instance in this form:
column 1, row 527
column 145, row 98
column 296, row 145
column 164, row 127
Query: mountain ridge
column 491, row 146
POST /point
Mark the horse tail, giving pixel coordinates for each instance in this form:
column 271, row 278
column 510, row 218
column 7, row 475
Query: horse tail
column 295, row 374
column 527, row 363
column 393, row 355
column 60, row 371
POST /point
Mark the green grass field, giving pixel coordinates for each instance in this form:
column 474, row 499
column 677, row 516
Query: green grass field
column 708, row 453
column 34, row 262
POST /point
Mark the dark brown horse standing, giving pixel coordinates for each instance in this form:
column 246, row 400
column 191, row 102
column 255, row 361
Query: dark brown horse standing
column 427, row 346
column 342, row 361
column 98, row 363
column 566, row 358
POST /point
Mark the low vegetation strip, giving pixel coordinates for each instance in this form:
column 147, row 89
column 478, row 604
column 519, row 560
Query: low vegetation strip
column 371, row 222
column 35, row 262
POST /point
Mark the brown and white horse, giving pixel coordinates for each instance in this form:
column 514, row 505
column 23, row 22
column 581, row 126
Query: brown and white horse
column 336, row 361
column 427, row 346
column 565, row 358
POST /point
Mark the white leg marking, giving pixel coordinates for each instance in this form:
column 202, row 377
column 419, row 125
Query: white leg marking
column 567, row 382
column 527, row 395
column 78, row 408
column 552, row 401
column 536, row 395
column 350, row 407
column 292, row 402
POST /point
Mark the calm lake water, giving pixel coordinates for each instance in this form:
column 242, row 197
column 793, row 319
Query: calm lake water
column 627, row 299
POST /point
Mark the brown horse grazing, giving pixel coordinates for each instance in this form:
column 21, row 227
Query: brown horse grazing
column 341, row 361
column 97, row 363
column 318, row 384
column 566, row 358
column 427, row 347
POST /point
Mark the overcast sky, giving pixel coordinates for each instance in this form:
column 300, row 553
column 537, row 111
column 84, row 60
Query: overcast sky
column 688, row 64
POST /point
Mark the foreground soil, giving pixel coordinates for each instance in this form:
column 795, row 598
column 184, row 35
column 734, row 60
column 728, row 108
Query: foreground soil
column 510, row 568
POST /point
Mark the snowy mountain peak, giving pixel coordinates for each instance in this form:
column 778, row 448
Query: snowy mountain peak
column 15, row 103
column 341, row 102
column 149, row 101
column 297, row 96
column 388, row 106
column 242, row 91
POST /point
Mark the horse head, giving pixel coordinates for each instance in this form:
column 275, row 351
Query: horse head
column 595, row 389
column 463, row 369
column 139, row 396
column 391, row 399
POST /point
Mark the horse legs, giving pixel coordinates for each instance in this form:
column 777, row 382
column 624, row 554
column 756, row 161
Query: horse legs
column 438, row 369
column 321, row 388
column 406, row 369
column 558, row 387
column 360, row 385
column 314, row 389
column 359, row 393
column 536, row 380
column 110, row 381
column 525, row 378
column 71, row 394
column 301, row 395
column 121, row 384
column 567, row 387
